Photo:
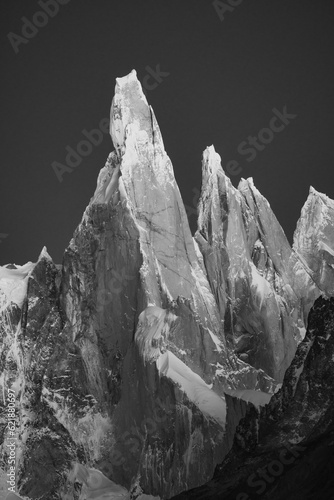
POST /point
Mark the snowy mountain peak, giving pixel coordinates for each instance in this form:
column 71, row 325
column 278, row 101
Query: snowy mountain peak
column 130, row 112
column 211, row 166
column 313, row 239
column 211, row 159
column 130, row 77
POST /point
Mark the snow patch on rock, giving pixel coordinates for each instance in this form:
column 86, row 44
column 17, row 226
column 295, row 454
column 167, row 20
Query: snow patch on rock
column 194, row 387
column 258, row 398
column 13, row 284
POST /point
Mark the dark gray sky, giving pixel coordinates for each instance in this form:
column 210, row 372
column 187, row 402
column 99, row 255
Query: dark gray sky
column 222, row 80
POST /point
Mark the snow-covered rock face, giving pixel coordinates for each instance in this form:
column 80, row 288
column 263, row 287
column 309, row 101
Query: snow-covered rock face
column 314, row 239
column 13, row 284
column 140, row 355
column 262, row 289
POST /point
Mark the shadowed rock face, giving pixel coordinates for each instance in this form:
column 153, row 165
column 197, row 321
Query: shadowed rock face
column 286, row 450
column 138, row 356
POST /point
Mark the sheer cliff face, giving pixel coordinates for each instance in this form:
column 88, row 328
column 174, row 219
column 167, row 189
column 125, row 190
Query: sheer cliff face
column 139, row 355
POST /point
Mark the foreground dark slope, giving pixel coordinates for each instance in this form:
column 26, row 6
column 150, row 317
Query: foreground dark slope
column 286, row 451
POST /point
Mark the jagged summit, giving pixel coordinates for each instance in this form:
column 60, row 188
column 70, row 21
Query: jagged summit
column 44, row 254
column 313, row 239
column 323, row 196
column 130, row 112
column 132, row 120
column 211, row 160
